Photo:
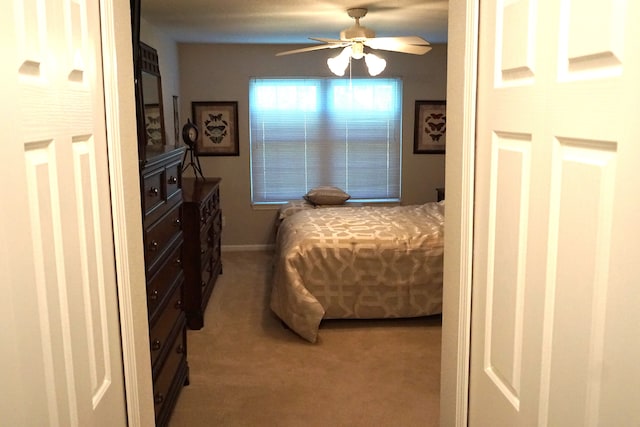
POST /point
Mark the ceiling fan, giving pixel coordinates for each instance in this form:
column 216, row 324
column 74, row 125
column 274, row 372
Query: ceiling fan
column 353, row 41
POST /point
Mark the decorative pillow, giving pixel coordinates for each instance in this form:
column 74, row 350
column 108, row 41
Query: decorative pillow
column 326, row 196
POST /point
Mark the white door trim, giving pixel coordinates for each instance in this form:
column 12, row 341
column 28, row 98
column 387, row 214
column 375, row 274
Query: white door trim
column 461, row 116
column 125, row 205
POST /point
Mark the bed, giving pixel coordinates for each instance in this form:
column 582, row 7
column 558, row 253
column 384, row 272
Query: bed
column 364, row 262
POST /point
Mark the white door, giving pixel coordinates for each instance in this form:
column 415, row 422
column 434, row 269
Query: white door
column 556, row 288
column 61, row 353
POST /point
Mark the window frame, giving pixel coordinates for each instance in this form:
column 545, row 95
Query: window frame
column 319, row 111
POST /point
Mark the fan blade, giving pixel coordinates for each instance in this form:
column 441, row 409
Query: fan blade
column 306, row 49
column 403, row 40
column 320, row 39
column 396, row 44
column 332, row 44
column 404, row 48
column 409, row 44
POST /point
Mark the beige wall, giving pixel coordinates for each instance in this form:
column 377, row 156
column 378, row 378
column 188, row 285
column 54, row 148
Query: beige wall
column 210, row 72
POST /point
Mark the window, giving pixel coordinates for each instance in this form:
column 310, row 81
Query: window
column 311, row 132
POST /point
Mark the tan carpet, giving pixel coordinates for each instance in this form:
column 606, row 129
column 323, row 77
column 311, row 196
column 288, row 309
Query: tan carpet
column 247, row 370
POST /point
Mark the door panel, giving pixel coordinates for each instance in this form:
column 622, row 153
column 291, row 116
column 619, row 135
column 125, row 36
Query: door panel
column 506, row 258
column 59, row 271
column 558, row 139
column 580, row 224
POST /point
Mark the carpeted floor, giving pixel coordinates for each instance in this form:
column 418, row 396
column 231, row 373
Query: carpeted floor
column 247, row 370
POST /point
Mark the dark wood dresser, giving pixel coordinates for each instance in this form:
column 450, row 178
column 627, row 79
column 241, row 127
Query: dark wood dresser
column 163, row 239
column 202, row 225
column 161, row 197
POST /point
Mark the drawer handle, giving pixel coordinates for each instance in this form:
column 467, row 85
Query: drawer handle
column 203, row 284
column 154, row 295
column 177, row 222
column 153, row 191
column 178, row 262
column 158, row 398
column 156, row 345
column 179, row 304
column 180, row 349
column 202, row 250
column 172, row 180
column 153, row 246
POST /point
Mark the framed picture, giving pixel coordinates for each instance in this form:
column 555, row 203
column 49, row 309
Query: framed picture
column 152, row 124
column 430, row 133
column 217, row 123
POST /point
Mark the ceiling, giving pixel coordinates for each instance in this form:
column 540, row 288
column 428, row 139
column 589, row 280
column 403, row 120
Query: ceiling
column 292, row 21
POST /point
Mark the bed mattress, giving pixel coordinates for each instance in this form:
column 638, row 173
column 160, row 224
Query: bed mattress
column 361, row 262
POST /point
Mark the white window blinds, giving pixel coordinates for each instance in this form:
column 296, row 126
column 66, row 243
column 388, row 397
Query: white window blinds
column 311, row 132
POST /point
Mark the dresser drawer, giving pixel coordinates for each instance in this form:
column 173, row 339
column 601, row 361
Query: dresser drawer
column 161, row 235
column 161, row 330
column 173, row 174
column 205, row 214
column 214, row 201
column 217, row 223
column 216, row 229
column 172, row 372
column 162, row 189
column 209, row 207
column 160, row 285
column 206, row 273
column 153, row 190
column 206, row 243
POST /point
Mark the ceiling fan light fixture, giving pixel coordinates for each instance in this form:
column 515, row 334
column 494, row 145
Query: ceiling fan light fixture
column 357, row 50
column 375, row 64
column 338, row 64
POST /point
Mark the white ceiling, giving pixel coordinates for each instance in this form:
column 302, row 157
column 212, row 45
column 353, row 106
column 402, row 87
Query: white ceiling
column 293, row 21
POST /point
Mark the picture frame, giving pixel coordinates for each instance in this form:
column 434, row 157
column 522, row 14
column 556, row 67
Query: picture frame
column 430, row 132
column 217, row 122
column 153, row 124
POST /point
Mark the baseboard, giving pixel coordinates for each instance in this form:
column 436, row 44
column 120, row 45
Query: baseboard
column 241, row 248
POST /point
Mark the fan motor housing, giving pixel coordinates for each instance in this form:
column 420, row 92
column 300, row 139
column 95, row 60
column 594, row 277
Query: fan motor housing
column 357, row 32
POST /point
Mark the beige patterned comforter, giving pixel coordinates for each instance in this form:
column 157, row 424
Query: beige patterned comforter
column 361, row 262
